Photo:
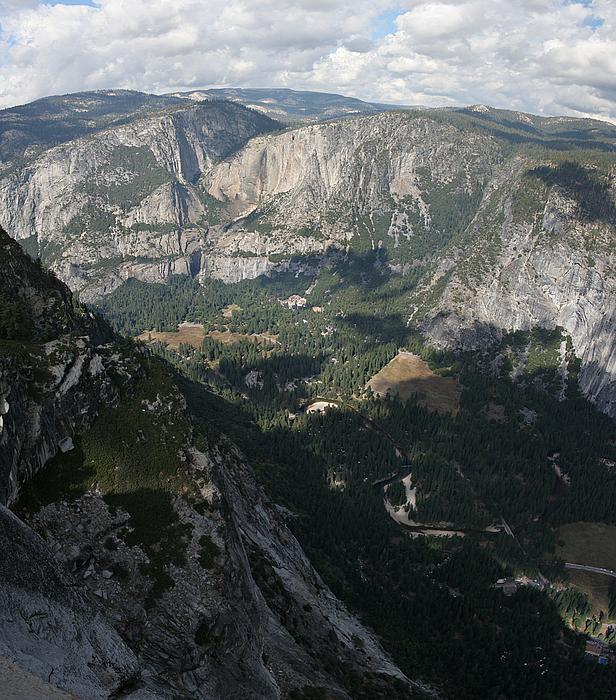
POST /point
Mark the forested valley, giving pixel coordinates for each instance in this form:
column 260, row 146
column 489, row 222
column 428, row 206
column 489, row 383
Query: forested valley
column 432, row 600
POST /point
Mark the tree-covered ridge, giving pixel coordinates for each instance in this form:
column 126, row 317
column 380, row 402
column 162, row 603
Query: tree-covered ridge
column 27, row 130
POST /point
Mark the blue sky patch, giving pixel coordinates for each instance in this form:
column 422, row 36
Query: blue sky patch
column 594, row 22
column 89, row 3
column 385, row 24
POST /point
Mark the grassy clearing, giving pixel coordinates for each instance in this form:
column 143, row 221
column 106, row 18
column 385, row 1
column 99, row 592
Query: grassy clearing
column 193, row 334
column 187, row 334
column 407, row 375
column 229, row 338
column 593, row 544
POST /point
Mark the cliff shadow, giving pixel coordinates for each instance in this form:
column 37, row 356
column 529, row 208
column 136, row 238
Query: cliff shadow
column 592, row 193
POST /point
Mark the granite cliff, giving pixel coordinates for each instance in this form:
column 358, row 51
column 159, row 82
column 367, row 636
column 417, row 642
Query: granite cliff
column 122, row 201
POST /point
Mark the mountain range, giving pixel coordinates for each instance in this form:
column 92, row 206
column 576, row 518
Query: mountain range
column 299, row 395
column 508, row 217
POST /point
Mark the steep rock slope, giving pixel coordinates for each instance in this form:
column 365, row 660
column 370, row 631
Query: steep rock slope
column 393, row 181
column 541, row 251
column 50, row 629
column 148, row 563
column 52, row 382
column 51, row 375
column 122, row 202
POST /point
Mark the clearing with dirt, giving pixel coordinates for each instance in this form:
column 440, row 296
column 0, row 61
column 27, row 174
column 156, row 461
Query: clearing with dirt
column 194, row 333
column 593, row 544
column 408, row 374
column 187, row 333
column 229, row 310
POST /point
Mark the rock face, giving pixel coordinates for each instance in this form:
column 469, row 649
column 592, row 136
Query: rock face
column 52, row 381
column 360, row 182
column 123, row 202
column 298, row 603
column 179, row 580
column 128, row 202
column 51, row 629
column 46, row 395
column 552, row 264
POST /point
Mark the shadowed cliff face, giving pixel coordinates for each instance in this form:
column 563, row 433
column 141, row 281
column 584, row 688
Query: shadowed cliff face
column 593, row 193
column 52, row 376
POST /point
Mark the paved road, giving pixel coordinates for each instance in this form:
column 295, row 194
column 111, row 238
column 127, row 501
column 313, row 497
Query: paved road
column 591, row 569
column 381, row 483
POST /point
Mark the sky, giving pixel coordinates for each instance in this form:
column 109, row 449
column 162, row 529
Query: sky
column 540, row 56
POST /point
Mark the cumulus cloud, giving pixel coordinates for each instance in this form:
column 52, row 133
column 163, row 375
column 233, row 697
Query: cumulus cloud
column 543, row 56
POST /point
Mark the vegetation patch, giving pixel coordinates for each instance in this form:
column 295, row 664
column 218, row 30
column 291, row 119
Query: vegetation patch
column 544, row 349
column 92, row 217
column 230, row 309
column 396, row 493
column 596, row 588
column 15, row 320
column 208, row 551
column 66, row 476
column 229, row 338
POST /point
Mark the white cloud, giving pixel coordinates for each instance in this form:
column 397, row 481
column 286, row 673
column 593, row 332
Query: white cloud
column 546, row 56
